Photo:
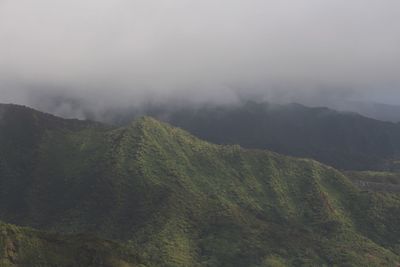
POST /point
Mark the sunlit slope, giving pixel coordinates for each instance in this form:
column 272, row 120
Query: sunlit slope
column 180, row 201
column 344, row 140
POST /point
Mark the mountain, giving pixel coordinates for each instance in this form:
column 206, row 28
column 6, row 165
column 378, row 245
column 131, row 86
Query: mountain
column 341, row 139
column 20, row 246
column 379, row 111
column 175, row 200
column 344, row 140
column 376, row 181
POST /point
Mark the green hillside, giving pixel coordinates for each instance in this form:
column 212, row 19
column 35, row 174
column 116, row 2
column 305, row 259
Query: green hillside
column 26, row 247
column 178, row 201
column 376, row 181
column 341, row 139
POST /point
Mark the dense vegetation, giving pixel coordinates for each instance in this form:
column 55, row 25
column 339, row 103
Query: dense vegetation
column 344, row 140
column 26, row 247
column 178, row 201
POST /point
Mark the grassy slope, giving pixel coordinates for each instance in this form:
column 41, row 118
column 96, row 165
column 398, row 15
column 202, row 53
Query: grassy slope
column 180, row 201
column 343, row 140
column 390, row 178
column 376, row 181
column 26, row 247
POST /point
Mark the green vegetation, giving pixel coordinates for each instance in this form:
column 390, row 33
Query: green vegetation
column 376, row 181
column 178, row 201
column 392, row 178
column 26, row 247
column 344, row 140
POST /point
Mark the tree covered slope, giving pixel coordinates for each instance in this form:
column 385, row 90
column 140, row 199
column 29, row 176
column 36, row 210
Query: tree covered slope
column 178, row 201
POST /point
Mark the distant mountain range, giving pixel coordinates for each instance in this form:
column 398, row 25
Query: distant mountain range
column 174, row 200
column 78, row 108
column 379, row 111
column 343, row 139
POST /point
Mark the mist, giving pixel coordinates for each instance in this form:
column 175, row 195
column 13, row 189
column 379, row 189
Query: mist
column 60, row 56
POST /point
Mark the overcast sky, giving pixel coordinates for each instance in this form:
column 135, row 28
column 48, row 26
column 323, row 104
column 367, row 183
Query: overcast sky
column 127, row 51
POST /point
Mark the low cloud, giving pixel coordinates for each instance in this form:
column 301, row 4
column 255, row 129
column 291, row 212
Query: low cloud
column 124, row 52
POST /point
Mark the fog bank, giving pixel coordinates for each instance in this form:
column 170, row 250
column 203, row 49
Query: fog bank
column 122, row 53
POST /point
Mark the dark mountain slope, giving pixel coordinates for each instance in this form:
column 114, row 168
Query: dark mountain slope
column 21, row 132
column 379, row 111
column 344, row 140
column 179, row 201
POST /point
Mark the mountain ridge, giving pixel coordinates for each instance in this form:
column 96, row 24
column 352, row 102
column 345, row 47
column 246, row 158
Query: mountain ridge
column 344, row 140
column 180, row 201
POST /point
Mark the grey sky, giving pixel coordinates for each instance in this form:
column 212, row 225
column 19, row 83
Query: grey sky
column 123, row 52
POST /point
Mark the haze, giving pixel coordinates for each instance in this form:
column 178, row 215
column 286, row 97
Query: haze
column 116, row 53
